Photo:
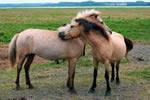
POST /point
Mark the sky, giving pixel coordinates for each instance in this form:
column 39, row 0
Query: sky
column 55, row 1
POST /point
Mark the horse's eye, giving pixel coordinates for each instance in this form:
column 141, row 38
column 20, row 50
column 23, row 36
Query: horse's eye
column 72, row 26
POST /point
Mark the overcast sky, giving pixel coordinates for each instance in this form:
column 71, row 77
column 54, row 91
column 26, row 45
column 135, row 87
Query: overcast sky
column 54, row 1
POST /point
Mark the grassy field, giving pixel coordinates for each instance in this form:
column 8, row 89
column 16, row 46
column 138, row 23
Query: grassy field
column 133, row 23
column 49, row 79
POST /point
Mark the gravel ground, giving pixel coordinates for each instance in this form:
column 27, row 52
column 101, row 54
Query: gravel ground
column 140, row 54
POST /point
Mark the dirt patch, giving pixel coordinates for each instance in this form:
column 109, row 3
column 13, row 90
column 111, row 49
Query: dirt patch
column 140, row 54
column 4, row 64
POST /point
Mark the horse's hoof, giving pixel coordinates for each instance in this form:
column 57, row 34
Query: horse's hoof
column 107, row 93
column 73, row 91
column 31, row 87
column 91, row 91
column 112, row 80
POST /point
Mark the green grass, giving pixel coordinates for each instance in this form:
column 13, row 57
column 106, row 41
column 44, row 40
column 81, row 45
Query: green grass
column 141, row 73
column 144, row 74
column 133, row 23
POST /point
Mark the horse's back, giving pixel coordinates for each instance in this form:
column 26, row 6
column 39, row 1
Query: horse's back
column 47, row 44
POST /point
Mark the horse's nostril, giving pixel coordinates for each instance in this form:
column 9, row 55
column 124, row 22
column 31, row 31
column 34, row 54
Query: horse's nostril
column 61, row 35
column 110, row 32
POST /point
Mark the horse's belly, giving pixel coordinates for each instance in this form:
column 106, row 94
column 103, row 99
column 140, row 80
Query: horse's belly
column 51, row 53
column 118, row 53
column 54, row 52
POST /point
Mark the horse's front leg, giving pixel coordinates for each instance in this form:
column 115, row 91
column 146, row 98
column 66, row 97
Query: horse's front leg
column 92, row 89
column 108, row 89
column 71, row 73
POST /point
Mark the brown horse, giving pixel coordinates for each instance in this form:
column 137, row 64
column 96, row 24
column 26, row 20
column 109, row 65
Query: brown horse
column 46, row 44
column 107, row 47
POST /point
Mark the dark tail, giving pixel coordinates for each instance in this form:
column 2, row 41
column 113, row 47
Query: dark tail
column 129, row 46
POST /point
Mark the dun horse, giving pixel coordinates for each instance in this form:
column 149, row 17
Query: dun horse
column 107, row 47
column 46, row 44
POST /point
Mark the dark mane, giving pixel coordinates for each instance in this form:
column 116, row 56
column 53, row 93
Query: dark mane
column 92, row 26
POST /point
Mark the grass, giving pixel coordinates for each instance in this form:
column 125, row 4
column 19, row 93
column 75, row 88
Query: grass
column 141, row 73
column 49, row 79
column 133, row 23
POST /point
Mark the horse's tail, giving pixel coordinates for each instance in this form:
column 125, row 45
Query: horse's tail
column 12, row 51
column 129, row 46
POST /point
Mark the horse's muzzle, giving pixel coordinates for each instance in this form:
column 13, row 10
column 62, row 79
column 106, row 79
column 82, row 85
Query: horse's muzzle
column 62, row 35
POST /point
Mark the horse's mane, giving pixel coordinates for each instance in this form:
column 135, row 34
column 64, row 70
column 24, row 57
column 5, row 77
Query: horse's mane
column 88, row 25
column 87, row 13
column 92, row 26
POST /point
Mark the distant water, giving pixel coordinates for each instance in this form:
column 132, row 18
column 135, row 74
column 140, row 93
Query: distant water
column 84, row 7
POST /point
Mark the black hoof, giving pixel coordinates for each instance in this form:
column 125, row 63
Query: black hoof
column 107, row 93
column 17, row 87
column 91, row 91
column 31, row 87
column 112, row 80
column 73, row 91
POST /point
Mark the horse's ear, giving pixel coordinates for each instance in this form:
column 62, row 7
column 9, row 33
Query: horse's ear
column 64, row 24
column 78, row 21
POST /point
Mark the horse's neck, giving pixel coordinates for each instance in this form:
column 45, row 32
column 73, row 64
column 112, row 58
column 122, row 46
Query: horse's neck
column 96, row 40
column 82, row 39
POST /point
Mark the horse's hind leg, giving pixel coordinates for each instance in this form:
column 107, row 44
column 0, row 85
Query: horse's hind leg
column 19, row 67
column 27, row 68
column 108, row 89
column 117, row 73
column 92, row 89
column 112, row 74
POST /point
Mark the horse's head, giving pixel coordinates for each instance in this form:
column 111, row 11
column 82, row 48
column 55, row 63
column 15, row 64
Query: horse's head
column 63, row 29
column 84, row 23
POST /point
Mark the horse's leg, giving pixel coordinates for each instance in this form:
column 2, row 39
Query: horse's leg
column 108, row 89
column 112, row 74
column 92, row 89
column 27, row 68
column 71, row 72
column 117, row 73
column 19, row 67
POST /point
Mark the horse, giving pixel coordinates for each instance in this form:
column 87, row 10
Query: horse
column 57, row 61
column 46, row 44
column 107, row 47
